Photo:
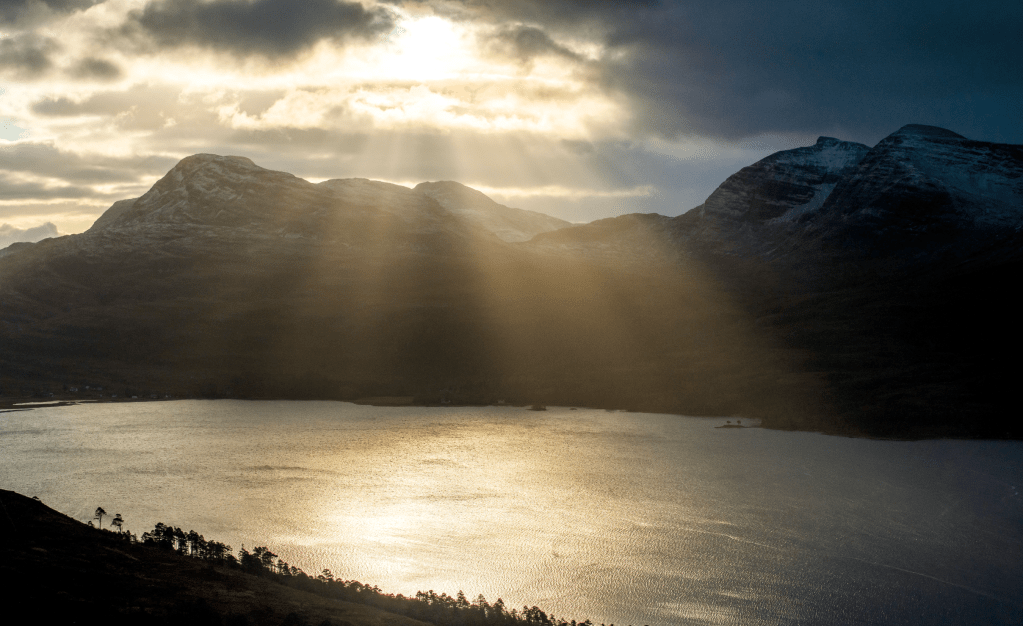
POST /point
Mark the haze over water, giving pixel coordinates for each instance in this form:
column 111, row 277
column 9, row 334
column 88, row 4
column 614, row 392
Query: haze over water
column 617, row 517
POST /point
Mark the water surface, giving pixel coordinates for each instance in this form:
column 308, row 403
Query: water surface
column 617, row 517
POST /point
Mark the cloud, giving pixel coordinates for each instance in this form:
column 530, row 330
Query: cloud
column 526, row 43
column 270, row 28
column 9, row 234
column 44, row 161
column 732, row 70
column 27, row 55
column 16, row 188
column 96, row 69
column 11, row 10
column 142, row 107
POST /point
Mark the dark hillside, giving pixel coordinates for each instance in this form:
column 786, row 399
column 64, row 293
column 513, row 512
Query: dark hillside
column 59, row 571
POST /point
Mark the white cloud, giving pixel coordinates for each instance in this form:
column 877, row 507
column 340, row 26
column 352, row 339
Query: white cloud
column 9, row 234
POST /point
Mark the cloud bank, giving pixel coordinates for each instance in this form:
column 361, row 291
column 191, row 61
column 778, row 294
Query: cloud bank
column 272, row 28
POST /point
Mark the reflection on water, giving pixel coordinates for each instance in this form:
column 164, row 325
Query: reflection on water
column 618, row 517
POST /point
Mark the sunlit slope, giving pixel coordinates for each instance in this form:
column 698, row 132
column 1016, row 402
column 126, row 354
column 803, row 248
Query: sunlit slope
column 507, row 223
column 226, row 279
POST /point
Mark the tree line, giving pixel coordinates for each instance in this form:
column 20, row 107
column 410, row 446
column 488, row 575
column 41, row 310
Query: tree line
column 427, row 606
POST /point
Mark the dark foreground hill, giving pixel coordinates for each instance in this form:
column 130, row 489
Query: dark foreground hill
column 836, row 287
column 59, row 571
column 56, row 570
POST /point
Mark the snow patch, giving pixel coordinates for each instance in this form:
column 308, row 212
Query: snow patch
column 821, row 194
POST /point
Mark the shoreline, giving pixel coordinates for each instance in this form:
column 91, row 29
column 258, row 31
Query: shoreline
column 26, row 403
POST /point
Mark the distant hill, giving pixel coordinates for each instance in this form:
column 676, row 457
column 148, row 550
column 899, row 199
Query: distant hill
column 835, row 287
column 507, row 223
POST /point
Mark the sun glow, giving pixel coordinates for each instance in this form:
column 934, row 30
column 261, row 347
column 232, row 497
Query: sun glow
column 429, row 48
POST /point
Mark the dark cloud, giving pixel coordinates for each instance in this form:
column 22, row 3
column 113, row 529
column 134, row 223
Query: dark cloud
column 44, row 160
column 13, row 188
column 27, row 55
column 847, row 67
column 271, row 28
column 96, row 69
column 11, row 10
column 862, row 68
column 526, row 43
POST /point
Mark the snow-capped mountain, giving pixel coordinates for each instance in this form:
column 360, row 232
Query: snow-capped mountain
column 785, row 186
column 921, row 193
column 926, row 190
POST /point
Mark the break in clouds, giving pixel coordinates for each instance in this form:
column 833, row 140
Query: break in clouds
column 580, row 109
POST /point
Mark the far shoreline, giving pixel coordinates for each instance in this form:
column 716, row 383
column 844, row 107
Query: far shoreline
column 25, row 403
column 10, row 405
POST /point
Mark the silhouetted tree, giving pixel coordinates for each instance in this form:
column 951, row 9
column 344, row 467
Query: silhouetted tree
column 179, row 540
column 195, row 543
column 264, row 557
column 117, row 521
column 99, row 515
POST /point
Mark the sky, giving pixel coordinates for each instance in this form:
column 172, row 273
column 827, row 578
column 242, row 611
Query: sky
column 582, row 109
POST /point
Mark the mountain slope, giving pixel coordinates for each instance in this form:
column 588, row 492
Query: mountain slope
column 926, row 192
column 507, row 223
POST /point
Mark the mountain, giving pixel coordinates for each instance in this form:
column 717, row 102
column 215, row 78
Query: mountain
column 834, row 287
column 887, row 267
column 921, row 194
column 507, row 223
column 756, row 209
column 943, row 196
column 209, row 192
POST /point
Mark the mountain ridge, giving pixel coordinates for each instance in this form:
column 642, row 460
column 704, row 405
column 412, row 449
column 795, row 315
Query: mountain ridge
column 810, row 289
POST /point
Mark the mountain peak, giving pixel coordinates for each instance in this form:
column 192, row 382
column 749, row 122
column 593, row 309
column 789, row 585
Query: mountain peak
column 213, row 163
column 207, row 158
column 451, row 189
column 922, row 130
column 828, row 141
